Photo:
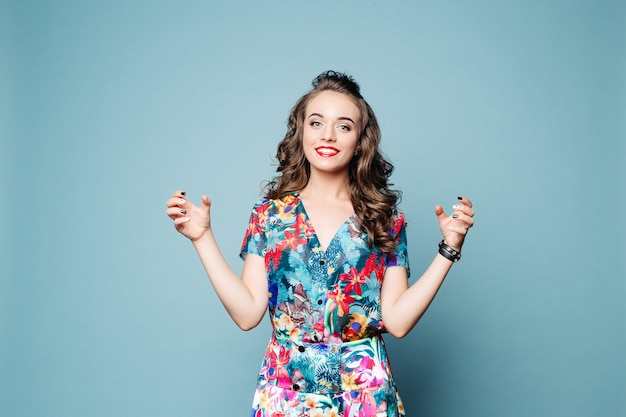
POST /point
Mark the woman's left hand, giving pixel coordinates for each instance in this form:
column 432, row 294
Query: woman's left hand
column 454, row 227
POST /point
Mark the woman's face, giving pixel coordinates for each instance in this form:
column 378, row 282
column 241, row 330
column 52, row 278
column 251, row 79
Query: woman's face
column 330, row 135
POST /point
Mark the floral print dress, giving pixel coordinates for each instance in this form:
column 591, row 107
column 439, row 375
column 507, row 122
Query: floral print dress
column 326, row 356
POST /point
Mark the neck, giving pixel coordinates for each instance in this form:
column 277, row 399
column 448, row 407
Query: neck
column 327, row 186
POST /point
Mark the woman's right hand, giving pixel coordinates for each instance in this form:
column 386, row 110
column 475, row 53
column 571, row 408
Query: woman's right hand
column 191, row 221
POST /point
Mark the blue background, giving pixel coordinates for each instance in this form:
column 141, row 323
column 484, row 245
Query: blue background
column 108, row 107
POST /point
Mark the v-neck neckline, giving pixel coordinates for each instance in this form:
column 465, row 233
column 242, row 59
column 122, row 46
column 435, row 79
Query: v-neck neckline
column 314, row 234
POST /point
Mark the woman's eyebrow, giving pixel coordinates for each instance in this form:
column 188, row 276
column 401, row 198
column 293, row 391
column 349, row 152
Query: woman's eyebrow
column 339, row 118
column 346, row 118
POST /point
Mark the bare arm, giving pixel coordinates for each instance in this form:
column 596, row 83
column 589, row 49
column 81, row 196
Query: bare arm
column 245, row 298
column 402, row 306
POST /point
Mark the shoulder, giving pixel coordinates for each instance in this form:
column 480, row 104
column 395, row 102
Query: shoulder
column 276, row 206
column 397, row 214
column 398, row 221
column 287, row 202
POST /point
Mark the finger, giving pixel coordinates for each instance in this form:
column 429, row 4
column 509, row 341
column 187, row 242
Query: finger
column 206, row 202
column 178, row 202
column 459, row 229
column 462, row 208
column 441, row 215
column 180, row 222
column 466, row 201
column 179, row 194
column 176, row 212
column 463, row 218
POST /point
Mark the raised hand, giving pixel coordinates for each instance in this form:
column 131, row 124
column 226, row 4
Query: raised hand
column 454, row 228
column 191, row 221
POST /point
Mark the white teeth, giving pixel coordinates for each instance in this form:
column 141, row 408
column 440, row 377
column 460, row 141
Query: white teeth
column 326, row 151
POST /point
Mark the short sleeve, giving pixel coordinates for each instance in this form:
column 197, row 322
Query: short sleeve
column 254, row 240
column 400, row 256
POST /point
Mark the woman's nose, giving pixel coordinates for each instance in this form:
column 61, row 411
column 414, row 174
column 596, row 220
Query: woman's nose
column 329, row 134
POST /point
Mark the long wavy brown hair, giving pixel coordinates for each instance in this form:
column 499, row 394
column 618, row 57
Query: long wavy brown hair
column 372, row 198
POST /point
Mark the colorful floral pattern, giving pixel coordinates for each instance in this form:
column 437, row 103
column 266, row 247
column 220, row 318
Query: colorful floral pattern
column 326, row 356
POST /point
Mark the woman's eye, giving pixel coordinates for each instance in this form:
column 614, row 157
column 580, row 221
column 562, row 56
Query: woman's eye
column 344, row 127
column 315, row 123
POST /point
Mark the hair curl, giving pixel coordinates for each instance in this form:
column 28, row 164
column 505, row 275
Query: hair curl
column 372, row 198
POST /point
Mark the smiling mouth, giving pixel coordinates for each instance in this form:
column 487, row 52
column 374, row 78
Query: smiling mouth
column 324, row 151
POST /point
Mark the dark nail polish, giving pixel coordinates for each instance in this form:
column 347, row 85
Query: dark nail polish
column 455, row 216
column 183, row 211
column 183, row 193
column 460, row 198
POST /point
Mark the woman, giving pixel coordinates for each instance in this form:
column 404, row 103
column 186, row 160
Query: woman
column 325, row 251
